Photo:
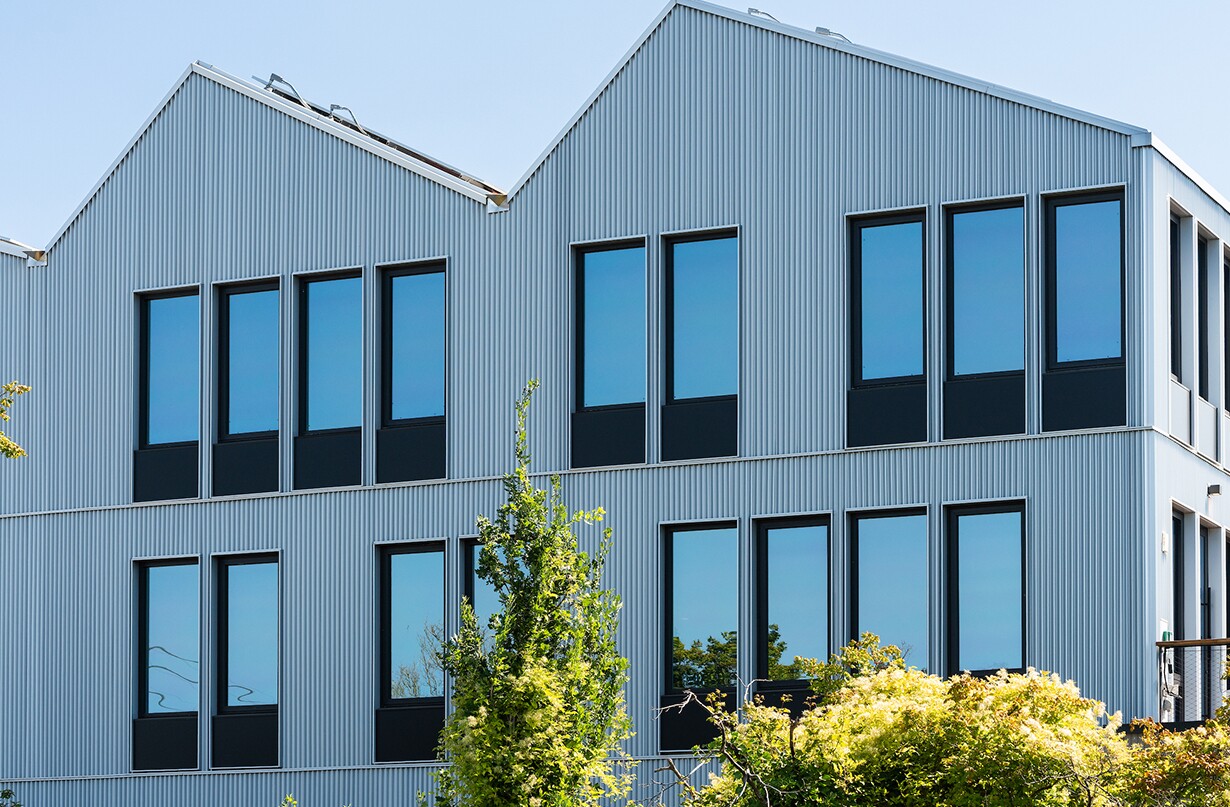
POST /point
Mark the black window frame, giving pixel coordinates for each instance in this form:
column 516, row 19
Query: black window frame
column 668, row 598
column 1051, row 204
column 303, row 360
column 856, row 225
column 224, row 358
column 223, row 563
column 1176, row 299
column 1203, row 334
column 866, row 515
column 143, row 567
column 386, row 554
column 579, row 251
column 669, row 242
column 1178, row 583
column 1225, row 349
column 762, row 528
column 143, row 389
column 952, row 580
column 387, row 275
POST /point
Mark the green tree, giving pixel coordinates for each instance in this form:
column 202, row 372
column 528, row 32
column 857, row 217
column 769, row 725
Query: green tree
column 539, row 715
column 8, row 396
column 8, row 799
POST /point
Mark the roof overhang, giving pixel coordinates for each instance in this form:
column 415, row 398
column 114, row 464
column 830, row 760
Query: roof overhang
column 19, row 250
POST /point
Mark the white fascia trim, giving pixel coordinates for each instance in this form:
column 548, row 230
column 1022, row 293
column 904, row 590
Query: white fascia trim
column 12, row 248
column 1150, row 140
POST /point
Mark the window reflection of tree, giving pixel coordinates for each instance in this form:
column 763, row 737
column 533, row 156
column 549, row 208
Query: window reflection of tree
column 423, row 679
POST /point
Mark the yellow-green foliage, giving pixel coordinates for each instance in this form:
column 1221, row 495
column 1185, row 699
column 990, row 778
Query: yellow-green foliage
column 539, row 709
column 8, row 396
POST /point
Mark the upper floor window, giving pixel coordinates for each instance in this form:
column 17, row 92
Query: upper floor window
column 331, row 353
column 1085, row 281
column 414, row 343
column 986, row 290
column 702, row 327
column 1225, row 380
column 1176, row 299
column 702, row 606
column 248, row 633
column 889, row 579
column 611, row 325
column 986, row 591
column 170, row 369
column 249, row 361
column 412, row 619
column 169, row 637
column 888, row 264
column 792, row 596
column 1204, row 326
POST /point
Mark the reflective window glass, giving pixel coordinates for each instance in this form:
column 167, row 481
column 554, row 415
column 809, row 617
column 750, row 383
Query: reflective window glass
column 890, row 284
column 415, row 623
column 1088, row 295
column 172, row 638
column 416, row 346
column 891, row 562
column 1205, row 348
column 988, row 291
column 989, row 587
column 797, row 597
column 251, row 633
column 1176, row 301
column 252, row 361
column 172, row 381
column 704, row 318
column 612, row 349
column 334, row 354
column 704, row 613
column 483, row 597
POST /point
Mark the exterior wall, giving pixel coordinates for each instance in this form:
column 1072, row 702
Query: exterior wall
column 712, row 123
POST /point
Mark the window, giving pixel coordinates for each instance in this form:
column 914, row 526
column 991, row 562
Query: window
column 166, row 460
column 245, row 730
column 1225, row 288
column 1084, row 384
column 1202, row 317
column 986, row 588
column 411, row 712
column 702, row 347
column 482, row 595
column 164, row 733
column 411, row 443
column 984, row 390
column 702, row 606
column 609, row 427
column 889, row 580
column 887, row 402
column 328, row 449
column 246, row 456
column 1176, row 300
column 1178, row 592
column 792, row 596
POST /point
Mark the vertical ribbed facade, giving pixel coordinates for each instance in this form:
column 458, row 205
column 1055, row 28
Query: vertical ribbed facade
column 711, row 123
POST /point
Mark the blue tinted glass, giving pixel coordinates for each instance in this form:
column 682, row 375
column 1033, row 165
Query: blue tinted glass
column 891, row 289
column 988, row 291
column 172, row 627
column 174, row 336
column 485, row 602
column 704, row 607
column 1088, row 300
column 798, row 591
column 416, row 624
column 706, row 318
column 892, row 583
column 252, row 634
column 418, row 346
column 335, row 354
column 614, row 327
column 989, row 595
column 252, row 404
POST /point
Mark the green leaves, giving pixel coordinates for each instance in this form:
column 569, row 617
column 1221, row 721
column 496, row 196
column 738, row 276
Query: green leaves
column 8, row 396
column 539, row 714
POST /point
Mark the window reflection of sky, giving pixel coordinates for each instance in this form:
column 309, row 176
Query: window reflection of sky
column 254, row 361
column 173, row 630
column 1088, row 305
column 416, row 621
column 252, row 634
column 988, row 291
column 891, row 276
column 704, row 583
column 613, row 363
column 418, row 310
column 706, row 317
column 334, row 353
column 892, row 583
column 798, row 586
column 174, row 369
column 989, row 590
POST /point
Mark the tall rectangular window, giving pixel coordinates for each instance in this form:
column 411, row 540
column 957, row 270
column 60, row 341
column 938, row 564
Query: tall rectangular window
column 164, row 732
column 1176, row 300
column 1225, row 308
column 986, row 588
column 889, row 580
column 1202, row 317
column 702, row 347
column 609, row 425
column 481, row 594
column 328, row 448
column 249, row 362
column 887, row 401
column 169, row 409
column 1178, row 590
column 984, row 388
column 792, row 596
column 411, row 442
column 702, row 606
column 1084, row 384
column 412, row 619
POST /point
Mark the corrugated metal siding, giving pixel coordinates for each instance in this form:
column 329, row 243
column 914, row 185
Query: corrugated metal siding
column 712, row 123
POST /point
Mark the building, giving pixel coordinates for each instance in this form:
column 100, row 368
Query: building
column 839, row 340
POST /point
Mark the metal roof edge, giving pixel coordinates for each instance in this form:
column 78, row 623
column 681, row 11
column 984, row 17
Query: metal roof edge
column 17, row 249
column 1150, row 140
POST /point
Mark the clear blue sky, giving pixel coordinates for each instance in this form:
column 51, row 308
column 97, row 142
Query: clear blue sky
column 485, row 85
